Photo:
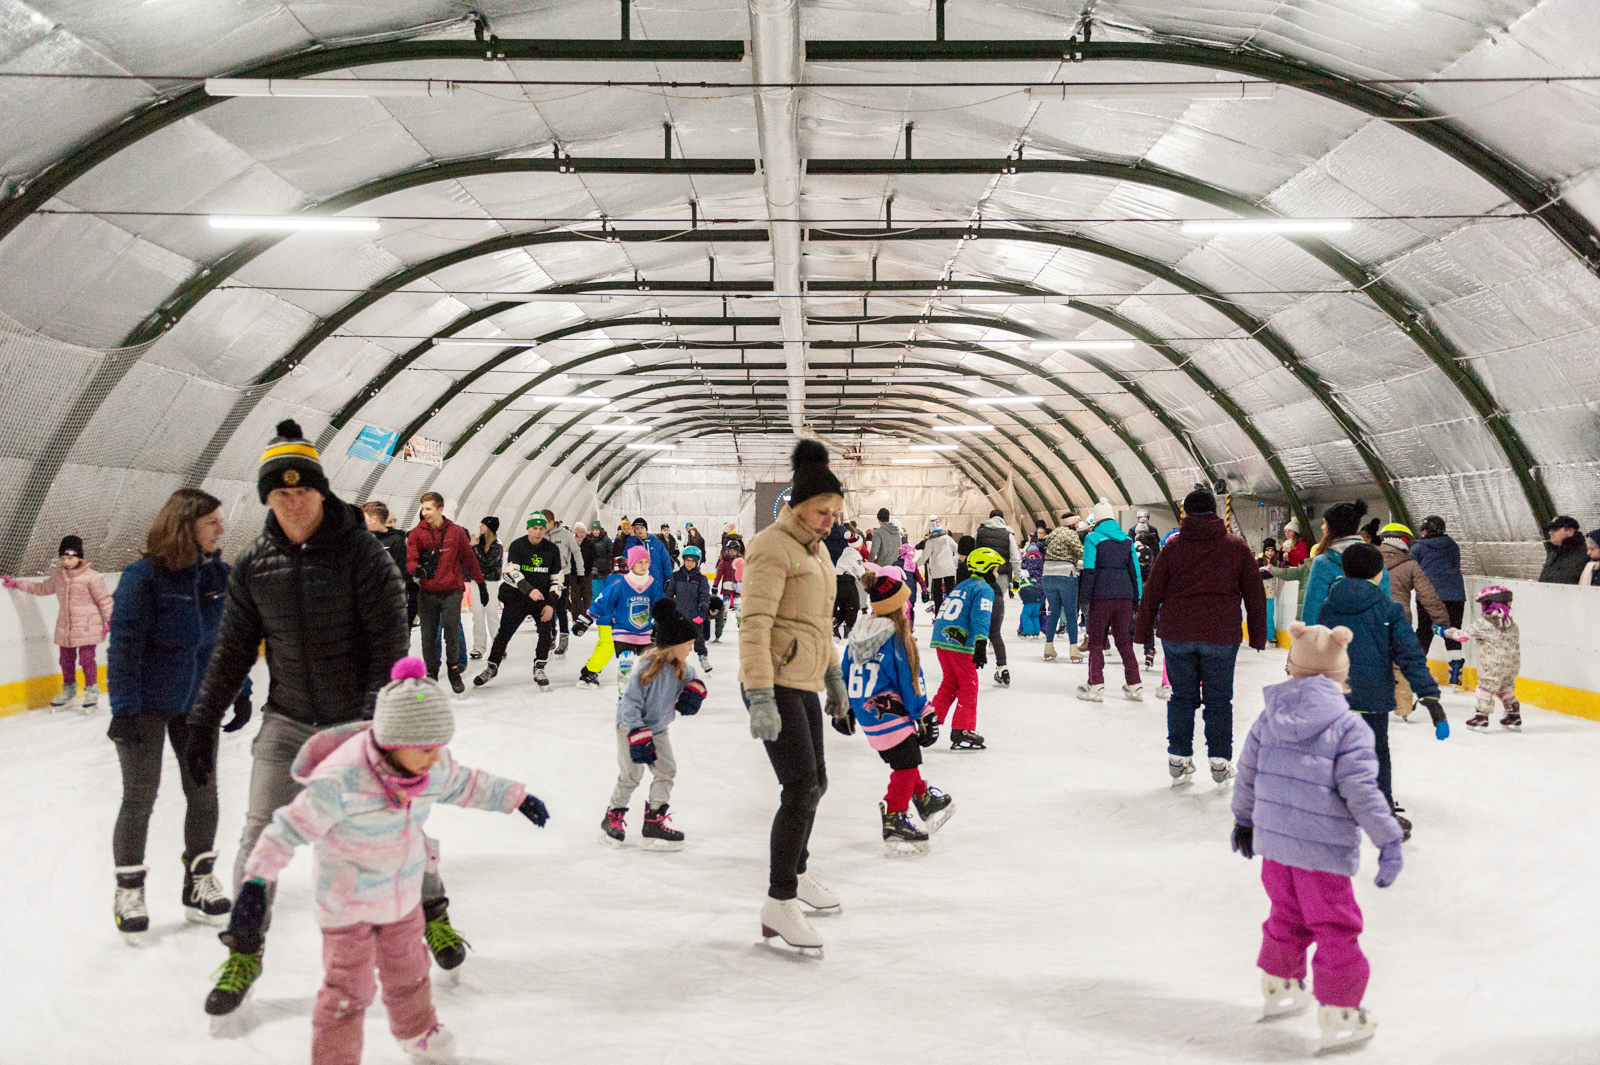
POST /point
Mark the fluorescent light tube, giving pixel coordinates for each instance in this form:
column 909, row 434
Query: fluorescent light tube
column 294, row 222
column 932, row 447
column 1003, row 401
column 326, row 87
column 1222, row 90
column 1081, row 345
column 1268, row 225
column 977, row 427
column 651, row 447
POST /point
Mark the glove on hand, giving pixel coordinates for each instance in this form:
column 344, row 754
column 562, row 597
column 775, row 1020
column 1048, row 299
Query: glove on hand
column 533, row 810
column 689, row 700
column 246, row 924
column 980, row 654
column 200, row 752
column 846, row 725
column 642, row 746
column 765, row 721
column 241, row 714
column 1389, row 864
column 9, row 582
column 928, row 730
column 581, row 623
column 105, row 631
column 1441, row 727
column 483, row 592
column 887, row 704
column 838, row 698
column 1244, row 840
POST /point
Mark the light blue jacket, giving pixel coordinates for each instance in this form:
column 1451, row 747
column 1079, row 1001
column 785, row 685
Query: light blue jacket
column 653, row 706
column 625, row 610
column 1325, row 569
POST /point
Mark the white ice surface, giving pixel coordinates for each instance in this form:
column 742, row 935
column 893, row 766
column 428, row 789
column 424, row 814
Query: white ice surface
column 1075, row 909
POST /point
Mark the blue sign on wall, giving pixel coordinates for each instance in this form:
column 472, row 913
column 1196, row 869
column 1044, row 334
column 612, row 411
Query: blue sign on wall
column 374, row 444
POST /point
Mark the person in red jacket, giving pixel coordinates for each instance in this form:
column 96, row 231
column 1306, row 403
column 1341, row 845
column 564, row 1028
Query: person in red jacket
column 440, row 556
column 1199, row 581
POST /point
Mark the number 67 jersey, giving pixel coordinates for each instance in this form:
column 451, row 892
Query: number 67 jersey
column 881, row 684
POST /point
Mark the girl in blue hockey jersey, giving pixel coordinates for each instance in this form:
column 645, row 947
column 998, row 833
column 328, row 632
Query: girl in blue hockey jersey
column 622, row 612
column 890, row 703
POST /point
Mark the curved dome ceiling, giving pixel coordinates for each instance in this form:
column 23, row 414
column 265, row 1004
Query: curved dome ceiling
column 907, row 230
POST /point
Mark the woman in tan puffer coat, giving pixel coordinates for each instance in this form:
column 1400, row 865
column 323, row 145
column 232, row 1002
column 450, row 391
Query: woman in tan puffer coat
column 787, row 656
column 1406, row 576
column 82, row 621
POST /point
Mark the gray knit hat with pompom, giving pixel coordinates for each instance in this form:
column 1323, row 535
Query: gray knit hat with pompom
column 413, row 711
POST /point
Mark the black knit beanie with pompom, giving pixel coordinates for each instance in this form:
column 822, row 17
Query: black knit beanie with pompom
column 812, row 477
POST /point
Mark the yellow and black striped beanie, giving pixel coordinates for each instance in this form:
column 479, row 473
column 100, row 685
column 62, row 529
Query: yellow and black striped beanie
column 290, row 461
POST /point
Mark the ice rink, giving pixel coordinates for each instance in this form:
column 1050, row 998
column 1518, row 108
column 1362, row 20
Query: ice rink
column 1075, row 909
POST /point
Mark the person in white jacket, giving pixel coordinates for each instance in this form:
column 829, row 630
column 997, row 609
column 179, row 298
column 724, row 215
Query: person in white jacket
column 937, row 560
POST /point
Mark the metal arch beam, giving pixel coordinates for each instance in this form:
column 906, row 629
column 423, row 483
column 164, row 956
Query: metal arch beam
column 936, row 401
column 1537, row 197
column 153, row 117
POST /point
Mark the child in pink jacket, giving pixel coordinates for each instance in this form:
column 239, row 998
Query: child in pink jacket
column 369, row 787
column 82, row 622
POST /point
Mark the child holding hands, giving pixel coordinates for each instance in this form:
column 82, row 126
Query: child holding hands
column 82, row 622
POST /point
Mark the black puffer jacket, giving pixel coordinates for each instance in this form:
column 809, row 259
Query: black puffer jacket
column 332, row 612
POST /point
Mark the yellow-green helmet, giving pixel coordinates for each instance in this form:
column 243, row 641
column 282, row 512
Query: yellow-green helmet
column 984, row 560
column 1394, row 530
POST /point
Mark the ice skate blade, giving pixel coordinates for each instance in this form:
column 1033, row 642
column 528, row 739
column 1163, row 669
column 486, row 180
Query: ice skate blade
column 133, row 939
column 661, row 845
column 1349, row 1042
column 933, row 825
column 607, row 841
column 905, row 848
column 236, row 1023
column 778, row 945
column 194, row 916
column 1182, row 781
column 821, row 911
column 1291, row 1007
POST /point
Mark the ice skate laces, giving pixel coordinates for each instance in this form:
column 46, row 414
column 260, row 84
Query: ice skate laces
column 238, row 972
column 440, row 935
column 206, row 890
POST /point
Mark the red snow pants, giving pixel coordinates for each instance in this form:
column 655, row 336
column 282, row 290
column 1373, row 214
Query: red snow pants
column 1310, row 907
column 959, row 685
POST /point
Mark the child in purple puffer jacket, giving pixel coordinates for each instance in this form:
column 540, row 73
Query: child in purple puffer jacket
column 1307, row 786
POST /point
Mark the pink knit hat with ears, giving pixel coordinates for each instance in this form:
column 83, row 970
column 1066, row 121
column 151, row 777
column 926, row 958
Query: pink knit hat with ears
column 1316, row 650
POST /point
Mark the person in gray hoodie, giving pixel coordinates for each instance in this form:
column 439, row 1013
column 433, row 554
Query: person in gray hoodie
column 571, row 570
column 886, row 542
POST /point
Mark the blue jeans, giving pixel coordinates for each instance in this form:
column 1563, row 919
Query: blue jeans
column 1060, row 603
column 1200, row 672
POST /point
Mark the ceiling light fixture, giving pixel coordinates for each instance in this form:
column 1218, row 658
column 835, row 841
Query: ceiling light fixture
column 1080, row 345
column 1003, row 401
column 651, row 447
column 1268, row 225
column 326, row 87
column 293, row 222
column 1222, row 90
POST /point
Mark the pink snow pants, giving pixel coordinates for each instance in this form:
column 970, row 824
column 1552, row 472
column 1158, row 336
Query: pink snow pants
column 959, row 685
column 349, row 956
column 1310, row 907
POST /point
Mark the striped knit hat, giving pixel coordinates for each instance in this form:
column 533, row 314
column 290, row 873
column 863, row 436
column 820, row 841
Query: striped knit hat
column 412, row 710
column 290, row 461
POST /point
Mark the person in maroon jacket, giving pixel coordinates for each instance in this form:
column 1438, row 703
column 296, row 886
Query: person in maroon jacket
column 440, row 556
column 1198, row 582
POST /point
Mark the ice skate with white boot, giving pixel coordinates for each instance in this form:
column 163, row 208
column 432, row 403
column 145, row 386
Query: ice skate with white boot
column 69, row 694
column 434, row 1045
column 1164, row 692
column 1344, row 1027
column 1134, row 693
column 1283, row 996
column 128, row 907
column 204, row 901
column 1222, row 771
column 1180, row 769
column 934, row 807
column 784, row 928
column 816, row 897
column 657, row 834
column 1091, row 693
column 91, row 698
column 901, row 839
column 705, row 663
column 1049, row 651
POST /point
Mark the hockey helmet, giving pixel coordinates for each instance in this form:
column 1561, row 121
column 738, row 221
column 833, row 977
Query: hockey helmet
column 984, row 560
column 692, row 552
column 1395, row 531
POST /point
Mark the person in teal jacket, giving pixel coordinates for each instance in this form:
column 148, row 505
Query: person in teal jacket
column 1339, row 525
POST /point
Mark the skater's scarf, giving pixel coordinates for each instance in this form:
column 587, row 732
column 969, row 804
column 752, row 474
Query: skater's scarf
column 902, row 629
column 653, row 661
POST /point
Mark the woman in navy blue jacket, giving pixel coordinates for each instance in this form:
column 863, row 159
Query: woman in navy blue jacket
column 171, row 604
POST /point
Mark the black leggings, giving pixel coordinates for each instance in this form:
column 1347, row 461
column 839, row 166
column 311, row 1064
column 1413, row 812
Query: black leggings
column 513, row 612
column 997, row 629
column 938, row 588
column 846, row 603
column 140, row 741
column 796, row 757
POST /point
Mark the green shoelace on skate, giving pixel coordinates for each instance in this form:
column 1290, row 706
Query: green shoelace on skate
column 238, row 972
column 439, row 935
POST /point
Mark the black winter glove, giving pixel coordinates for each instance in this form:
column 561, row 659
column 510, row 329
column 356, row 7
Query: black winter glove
column 980, row 655
column 483, row 592
column 534, row 810
column 241, row 714
column 1244, row 840
column 846, row 725
column 247, row 922
column 928, row 731
column 581, row 623
column 200, row 752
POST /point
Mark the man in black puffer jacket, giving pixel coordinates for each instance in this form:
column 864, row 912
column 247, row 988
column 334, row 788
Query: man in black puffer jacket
column 329, row 602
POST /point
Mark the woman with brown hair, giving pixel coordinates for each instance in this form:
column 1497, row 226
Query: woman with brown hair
column 168, row 607
column 786, row 657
